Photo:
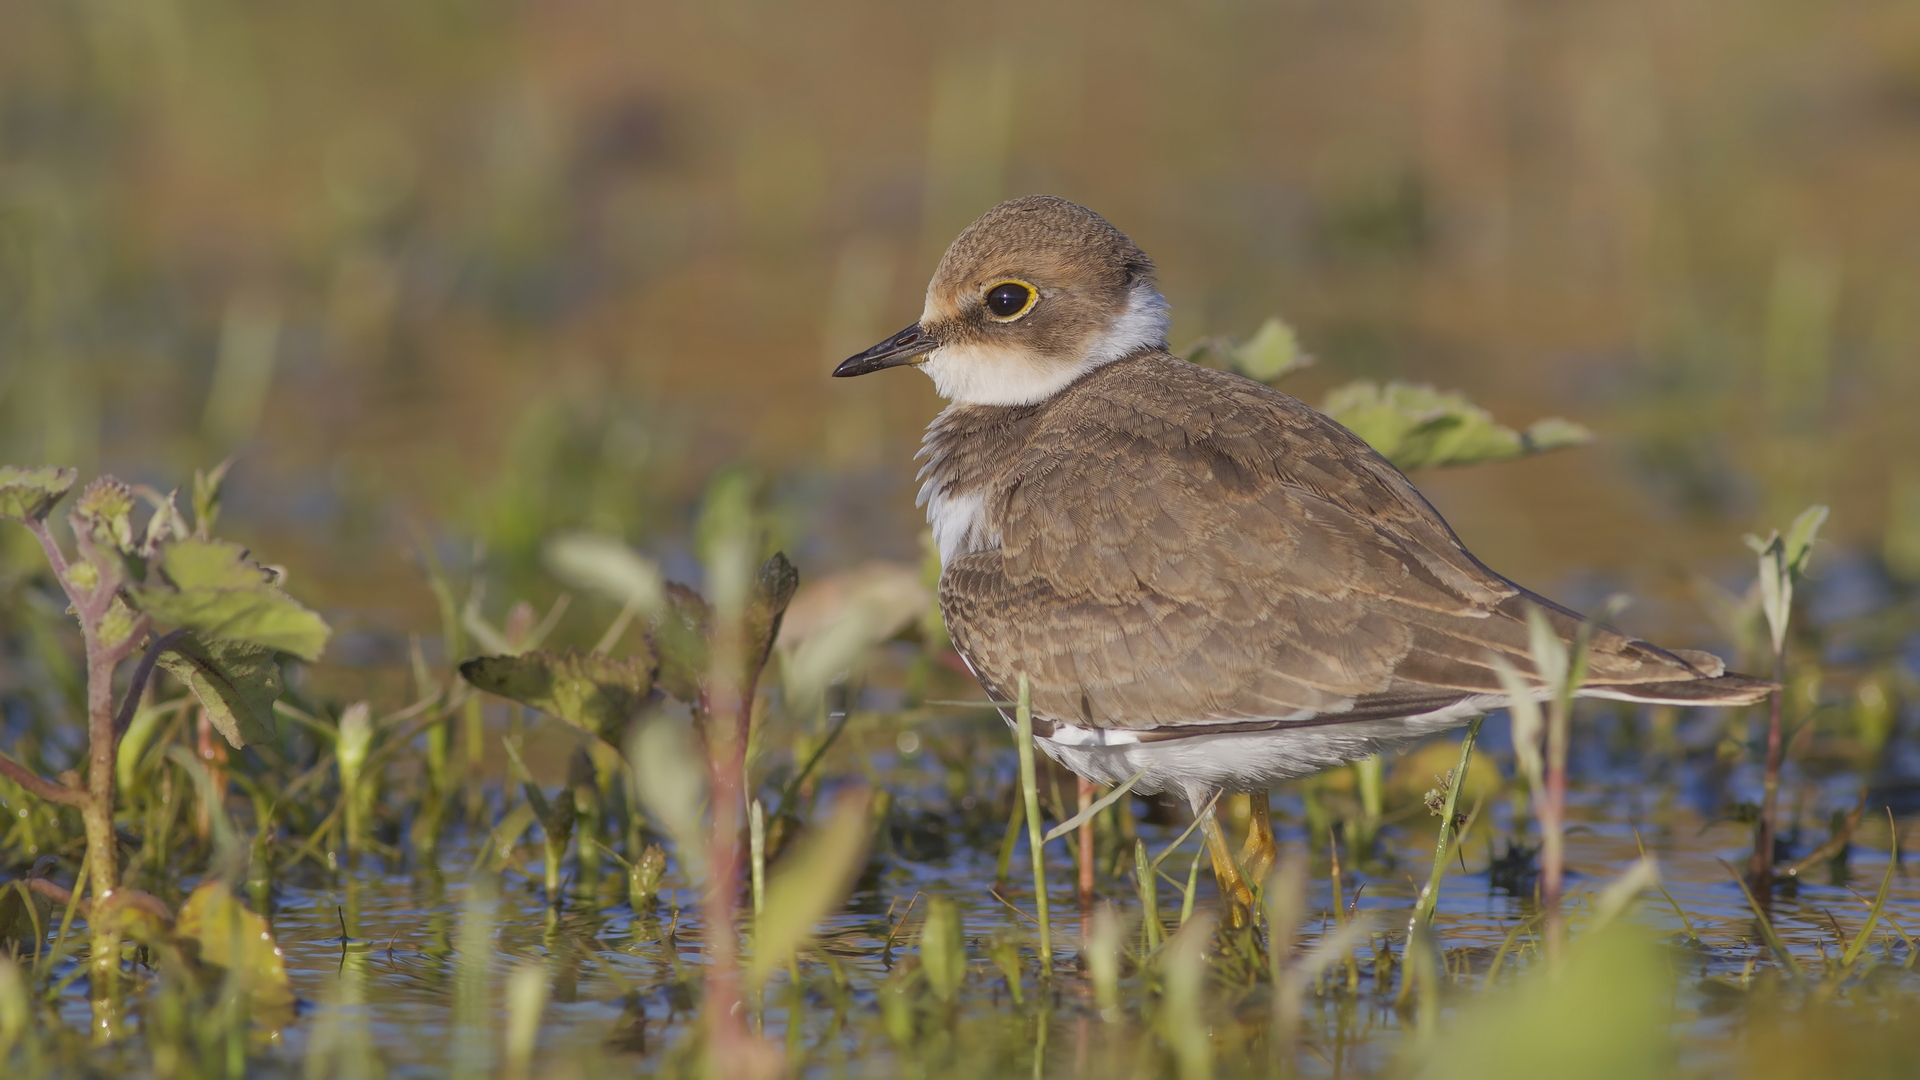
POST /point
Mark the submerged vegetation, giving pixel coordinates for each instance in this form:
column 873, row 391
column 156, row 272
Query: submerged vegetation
column 761, row 828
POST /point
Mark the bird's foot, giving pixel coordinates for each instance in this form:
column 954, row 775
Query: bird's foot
column 1234, row 891
column 1259, row 854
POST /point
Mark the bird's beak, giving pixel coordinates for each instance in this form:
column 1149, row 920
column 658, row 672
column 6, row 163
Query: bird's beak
column 902, row 348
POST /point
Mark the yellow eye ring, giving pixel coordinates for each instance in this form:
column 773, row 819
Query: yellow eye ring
column 1009, row 300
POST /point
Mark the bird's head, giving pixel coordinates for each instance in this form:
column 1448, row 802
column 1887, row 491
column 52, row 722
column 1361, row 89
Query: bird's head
column 1031, row 296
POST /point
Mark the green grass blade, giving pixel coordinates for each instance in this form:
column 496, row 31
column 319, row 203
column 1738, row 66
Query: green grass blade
column 1859, row 943
column 1443, row 849
column 1030, row 791
column 1099, row 804
column 1766, row 925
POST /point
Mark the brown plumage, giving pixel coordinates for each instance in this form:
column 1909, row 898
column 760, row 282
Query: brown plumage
column 1199, row 575
column 1180, row 547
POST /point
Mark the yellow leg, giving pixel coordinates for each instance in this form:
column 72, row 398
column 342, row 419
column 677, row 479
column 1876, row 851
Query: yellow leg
column 1233, row 887
column 1259, row 853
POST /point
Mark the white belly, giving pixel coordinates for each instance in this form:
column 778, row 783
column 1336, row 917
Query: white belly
column 1246, row 761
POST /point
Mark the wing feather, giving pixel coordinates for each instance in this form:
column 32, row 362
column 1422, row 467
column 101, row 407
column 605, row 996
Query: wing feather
column 1180, row 547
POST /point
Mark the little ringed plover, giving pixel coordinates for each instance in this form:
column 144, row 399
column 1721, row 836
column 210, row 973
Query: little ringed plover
column 1198, row 575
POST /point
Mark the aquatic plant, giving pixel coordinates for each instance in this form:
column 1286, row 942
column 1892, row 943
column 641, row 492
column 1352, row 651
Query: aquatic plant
column 175, row 597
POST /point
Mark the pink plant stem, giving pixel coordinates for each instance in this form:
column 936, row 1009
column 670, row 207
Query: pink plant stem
column 728, row 716
column 726, row 1025
column 103, row 867
column 133, row 898
column 44, row 788
column 92, row 605
column 1760, row 863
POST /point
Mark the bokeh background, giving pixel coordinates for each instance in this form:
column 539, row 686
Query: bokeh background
column 466, row 272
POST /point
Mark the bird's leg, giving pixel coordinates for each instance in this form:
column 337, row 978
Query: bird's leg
column 1259, row 853
column 1233, row 885
column 1086, row 850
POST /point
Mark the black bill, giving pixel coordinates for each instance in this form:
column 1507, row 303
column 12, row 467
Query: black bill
column 902, row 348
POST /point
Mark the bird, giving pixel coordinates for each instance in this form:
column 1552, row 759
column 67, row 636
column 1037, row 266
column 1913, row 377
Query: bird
column 1207, row 585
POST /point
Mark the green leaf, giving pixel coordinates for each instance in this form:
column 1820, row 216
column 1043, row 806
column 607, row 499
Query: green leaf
column 1551, row 658
column 643, row 878
column 1606, row 1011
column 213, row 564
column 25, row 916
column 234, row 938
column 680, row 629
column 236, row 683
column 1272, row 351
column 119, row 623
column 165, row 526
column 808, row 884
column 212, row 587
column 1553, row 433
column 1618, row 895
column 773, row 590
column 679, row 637
column 943, row 948
column 29, row 494
column 1528, row 726
column 1783, row 559
column 670, row 776
column 206, row 497
column 1800, row 536
column 507, row 834
column 591, row 691
column 607, row 566
column 17, row 1007
column 1418, row 427
column 729, row 536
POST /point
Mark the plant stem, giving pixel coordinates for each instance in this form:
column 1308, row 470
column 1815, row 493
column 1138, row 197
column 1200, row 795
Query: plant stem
column 1030, row 789
column 1760, row 863
column 56, row 558
column 1147, row 880
column 1442, row 850
column 725, row 1025
column 40, row 786
column 137, row 685
column 726, row 715
column 92, row 606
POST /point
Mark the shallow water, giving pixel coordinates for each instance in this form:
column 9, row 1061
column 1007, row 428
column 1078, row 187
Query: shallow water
column 621, row 982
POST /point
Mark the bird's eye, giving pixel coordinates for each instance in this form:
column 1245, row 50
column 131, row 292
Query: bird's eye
column 1009, row 300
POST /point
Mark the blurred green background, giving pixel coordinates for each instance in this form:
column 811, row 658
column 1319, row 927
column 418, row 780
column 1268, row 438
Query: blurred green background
column 475, row 271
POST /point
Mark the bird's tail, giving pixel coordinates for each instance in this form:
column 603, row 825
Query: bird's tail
column 1705, row 691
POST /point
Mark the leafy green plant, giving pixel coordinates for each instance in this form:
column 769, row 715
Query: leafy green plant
column 1418, row 427
column 1413, row 426
column 1541, row 739
column 168, row 594
column 1271, row 353
column 1783, row 560
column 708, row 653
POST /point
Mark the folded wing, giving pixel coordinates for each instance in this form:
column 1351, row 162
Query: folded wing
column 1181, row 548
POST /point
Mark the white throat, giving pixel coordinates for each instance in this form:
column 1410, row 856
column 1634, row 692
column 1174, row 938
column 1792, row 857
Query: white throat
column 987, row 375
